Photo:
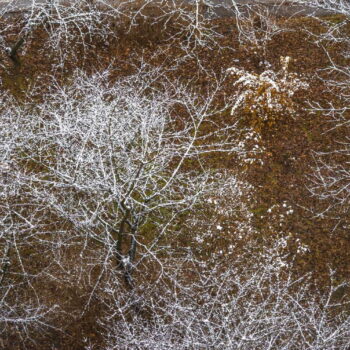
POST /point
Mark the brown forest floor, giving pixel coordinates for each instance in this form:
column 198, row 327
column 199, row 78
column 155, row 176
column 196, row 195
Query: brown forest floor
column 289, row 142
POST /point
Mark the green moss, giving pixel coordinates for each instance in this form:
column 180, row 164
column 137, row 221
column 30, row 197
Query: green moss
column 335, row 19
column 308, row 133
column 259, row 211
column 15, row 82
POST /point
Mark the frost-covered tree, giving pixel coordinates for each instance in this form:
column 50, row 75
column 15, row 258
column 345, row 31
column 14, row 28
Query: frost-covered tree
column 72, row 28
column 21, row 307
column 335, row 6
column 239, row 303
column 257, row 25
column 118, row 163
column 67, row 24
column 330, row 181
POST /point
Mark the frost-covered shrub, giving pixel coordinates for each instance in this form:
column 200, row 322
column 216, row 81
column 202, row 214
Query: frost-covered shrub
column 266, row 96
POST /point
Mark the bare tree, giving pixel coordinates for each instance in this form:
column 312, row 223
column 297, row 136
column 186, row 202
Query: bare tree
column 257, row 25
column 335, row 6
column 67, row 24
column 330, row 181
column 229, row 304
column 113, row 161
column 22, row 308
column 72, row 27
